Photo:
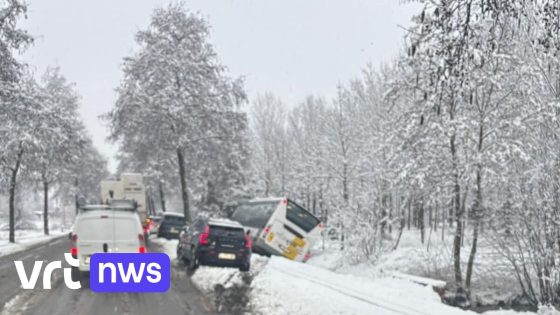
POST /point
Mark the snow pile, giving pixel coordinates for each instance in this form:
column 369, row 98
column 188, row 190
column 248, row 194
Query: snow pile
column 206, row 278
column 26, row 239
column 168, row 246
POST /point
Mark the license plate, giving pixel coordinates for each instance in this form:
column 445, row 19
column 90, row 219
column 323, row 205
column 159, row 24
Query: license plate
column 226, row 256
column 173, row 230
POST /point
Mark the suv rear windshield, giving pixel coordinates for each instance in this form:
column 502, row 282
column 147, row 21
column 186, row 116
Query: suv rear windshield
column 300, row 217
column 173, row 220
column 228, row 232
column 254, row 214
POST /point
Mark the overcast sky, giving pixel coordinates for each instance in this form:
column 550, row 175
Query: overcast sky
column 292, row 48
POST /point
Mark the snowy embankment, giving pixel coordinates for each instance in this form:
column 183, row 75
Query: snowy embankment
column 494, row 281
column 26, row 239
column 280, row 286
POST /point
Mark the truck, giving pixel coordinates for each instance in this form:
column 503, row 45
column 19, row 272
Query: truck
column 129, row 186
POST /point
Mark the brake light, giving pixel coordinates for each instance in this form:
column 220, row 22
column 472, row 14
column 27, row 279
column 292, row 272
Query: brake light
column 266, row 231
column 321, row 226
column 74, row 248
column 203, row 239
column 248, row 242
column 285, row 201
column 142, row 247
column 307, row 256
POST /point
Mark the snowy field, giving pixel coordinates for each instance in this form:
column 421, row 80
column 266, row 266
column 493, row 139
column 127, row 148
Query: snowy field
column 280, row 286
column 25, row 238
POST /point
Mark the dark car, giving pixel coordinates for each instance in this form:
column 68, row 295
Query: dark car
column 171, row 225
column 215, row 242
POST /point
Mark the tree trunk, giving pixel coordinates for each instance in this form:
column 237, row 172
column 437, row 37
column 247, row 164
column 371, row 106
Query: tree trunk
column 76, row 196
column 451, row 215
column 400, row 233
column 409, row 213
column 436, row 216
column 13, row 183
column 431, row 216
column 345, row 194
column 443, row 223
column 421, row 220
column 162, row 197
column 458, row 219
column 184, row 189
column 477, row 210
column 45, row 206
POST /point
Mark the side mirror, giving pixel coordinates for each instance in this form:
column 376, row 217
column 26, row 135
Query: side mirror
column 70, row 235
column 248, row 232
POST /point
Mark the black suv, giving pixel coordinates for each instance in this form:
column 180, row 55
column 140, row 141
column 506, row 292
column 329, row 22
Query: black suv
column 215, row 242
column 171, row 225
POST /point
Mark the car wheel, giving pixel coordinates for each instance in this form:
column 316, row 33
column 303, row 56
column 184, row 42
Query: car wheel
column 76, row 274
column 180, row 257
column 192, row 262
column 246, row 267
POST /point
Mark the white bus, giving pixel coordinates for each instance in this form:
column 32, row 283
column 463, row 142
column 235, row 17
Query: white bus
column 279, row 226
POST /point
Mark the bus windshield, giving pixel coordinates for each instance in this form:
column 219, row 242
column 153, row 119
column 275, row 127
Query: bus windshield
column 254, row 214
column 300, row 217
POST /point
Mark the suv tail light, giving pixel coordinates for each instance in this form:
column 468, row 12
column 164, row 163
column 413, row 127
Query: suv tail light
column 203, row 239
column 248, row 241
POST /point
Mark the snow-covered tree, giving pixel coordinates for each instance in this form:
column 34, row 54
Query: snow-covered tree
column 176, row 93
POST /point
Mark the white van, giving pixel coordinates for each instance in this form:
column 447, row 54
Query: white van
column 100, row 228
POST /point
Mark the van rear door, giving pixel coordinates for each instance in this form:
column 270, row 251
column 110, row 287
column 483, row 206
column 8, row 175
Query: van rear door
column 127, row 233
column 93, row 230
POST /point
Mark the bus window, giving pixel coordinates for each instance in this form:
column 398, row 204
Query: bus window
column 254, row 214
column 300, row 217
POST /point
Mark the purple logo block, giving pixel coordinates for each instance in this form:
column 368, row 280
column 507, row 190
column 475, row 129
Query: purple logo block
column 130, row 272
